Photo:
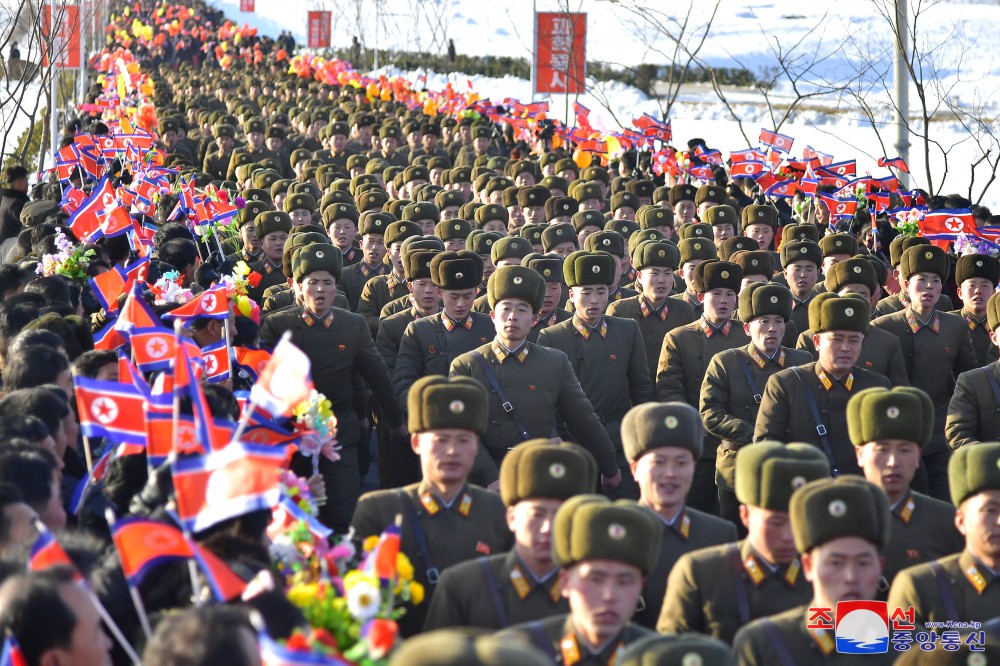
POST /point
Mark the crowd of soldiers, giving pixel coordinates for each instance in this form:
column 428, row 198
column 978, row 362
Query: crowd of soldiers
column 625, row 419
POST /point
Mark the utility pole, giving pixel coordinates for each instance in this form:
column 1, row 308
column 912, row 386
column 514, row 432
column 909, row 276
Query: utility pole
column 901, row 84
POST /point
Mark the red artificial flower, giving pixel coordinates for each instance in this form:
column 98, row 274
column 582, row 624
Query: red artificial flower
column 254, row 279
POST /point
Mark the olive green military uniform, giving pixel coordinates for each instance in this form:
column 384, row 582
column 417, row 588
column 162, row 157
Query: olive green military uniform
column 557, row 639
column 923, row 529
column 474, row 525
column 654, row 324
column 618, row 294
column 690, row 299
column 540, row 384
column 377, row 292
column 881, row 353
column 800, row 312
column 986, row 351
column 281, row 298
column 974, row 409
column 821, row 511
column 958, row 587
column 609, row 361
column 355, row 278
column 270, row 276
column 394, row 306
column 686, row 650
column 430, row 344
column 216, row 164
column 390, row 334
column 557, row 316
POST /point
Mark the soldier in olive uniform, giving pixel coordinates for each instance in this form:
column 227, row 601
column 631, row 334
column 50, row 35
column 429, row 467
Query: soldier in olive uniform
column 662, row 442
column 937, row 347
column 974, row 409
column 687, row 351
column 272, row 228
column 371, row 227
column 380, row 289
column 717, row 590
column 445, row 519
column 655, row 312
column 897, row 302
column 424, row 302
column 281, row 296
column 337, row 343
column 976, row 276
column 735, row 379
column 808, row 403
column 881, row 351
column 411, row 244
column 687, row 650
column 504, row 251
column 614, row 244
column 888, row 429
column 217, row 162
column 431, row 344
column 607, row 353
column 595, row 541
column 841, row 527
column 550, row 267
column 694, row 251
column 961, row 587
column 524, row 584
column 800, row 262
column 257, row 201
column 341, row 223
column 532, row 386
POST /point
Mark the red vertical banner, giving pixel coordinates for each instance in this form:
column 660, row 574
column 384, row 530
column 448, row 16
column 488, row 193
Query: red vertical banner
column 61, row 35
column 560, row 65
column 319, row 29
column 248, row 6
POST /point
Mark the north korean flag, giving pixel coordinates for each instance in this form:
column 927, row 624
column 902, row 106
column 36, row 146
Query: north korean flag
column 889, row 183
column 72, row 199
column 747, row 169
column 216, row 359
column 144, row 544
column 894, row 162
column 136, row 313
column 783, row 189
column 748, row 155
column 109, row 338
column 808, row 185
column 839, row 207
column 210, row 304
column 225, row 584
column 107, row 286
column 948, row 221
column 815, row 157
column 46, row 553
column 85, row 223
column 782, row 143
column 110, row 409
column 840, row 169
column 154, row 348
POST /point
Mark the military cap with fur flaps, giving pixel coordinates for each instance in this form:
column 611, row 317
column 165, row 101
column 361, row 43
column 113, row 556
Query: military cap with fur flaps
column 294, row 243
column 555, row 234
column 654, row 216
column 721, row 214
column 682, row 193
column 760, row 214
column 973, row 469
column 421, row 211
column 976, row 266
column 453, row 271
column 993, row 311
column 536, row 195
column 516, row 282
column 510, row 247
column 900, row 244
column 587, row 218
column 491, row 212
column 839, row 313
column 539, row 469
column 712, row 194
column 481, row 242
column 611, row 242
column 592, row 527
column 583, row 268
column 851, row 271
column 340, row 211
column 754, row 262
column 560, row 207
column 839, row 244
column 465, row 647
column 804, row 250
column 731, row 246
column 549, row 266
column 924, row 259
column 624, row 227
column 297, row 201
column 644, row 235
column 317, row 257
column 696, row 248
column 654, row 425
column 677, row 650
column 624, row 200
column 456, row 229
column 767, row 473
column 399, row 231
column 903, row 412
column 251, row 211
column 373, row 223
column 800, row 232
column 760, row 299
column 715, row 274
column 847, row 506
column 271, row 221
column 695, row 230
column 437, row 402
column 649, row 254
column 417, row 264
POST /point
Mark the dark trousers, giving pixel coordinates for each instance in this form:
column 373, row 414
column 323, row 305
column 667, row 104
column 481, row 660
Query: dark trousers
column 729, row 509
column 343, row 485
column 703, row 495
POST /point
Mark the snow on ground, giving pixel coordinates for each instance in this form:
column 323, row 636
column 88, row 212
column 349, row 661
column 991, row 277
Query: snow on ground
column 843, row 43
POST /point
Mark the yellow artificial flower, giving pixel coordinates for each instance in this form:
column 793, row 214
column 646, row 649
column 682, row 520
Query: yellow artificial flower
column 303, row 595
column 404, row 569
column 356, row 577
column 370, row 543
column 416, row 593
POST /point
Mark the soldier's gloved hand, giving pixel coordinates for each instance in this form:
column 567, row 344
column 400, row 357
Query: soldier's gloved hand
column 611, row 482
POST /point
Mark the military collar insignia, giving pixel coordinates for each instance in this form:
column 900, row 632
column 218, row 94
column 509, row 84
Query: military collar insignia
column 586, row 331
column 450, row 324
column 710, row 330
column 433, row 505
column 906, row 507
column 502, row 354
column 569, row 647
column 646, row 309
column 973, row 322
column 975, row 574
column 822, row 639
column 311, row 320
column 761, row 360
column 916, row 326
column 828, row 382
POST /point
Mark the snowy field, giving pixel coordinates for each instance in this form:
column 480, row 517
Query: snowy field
column 829, row 47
